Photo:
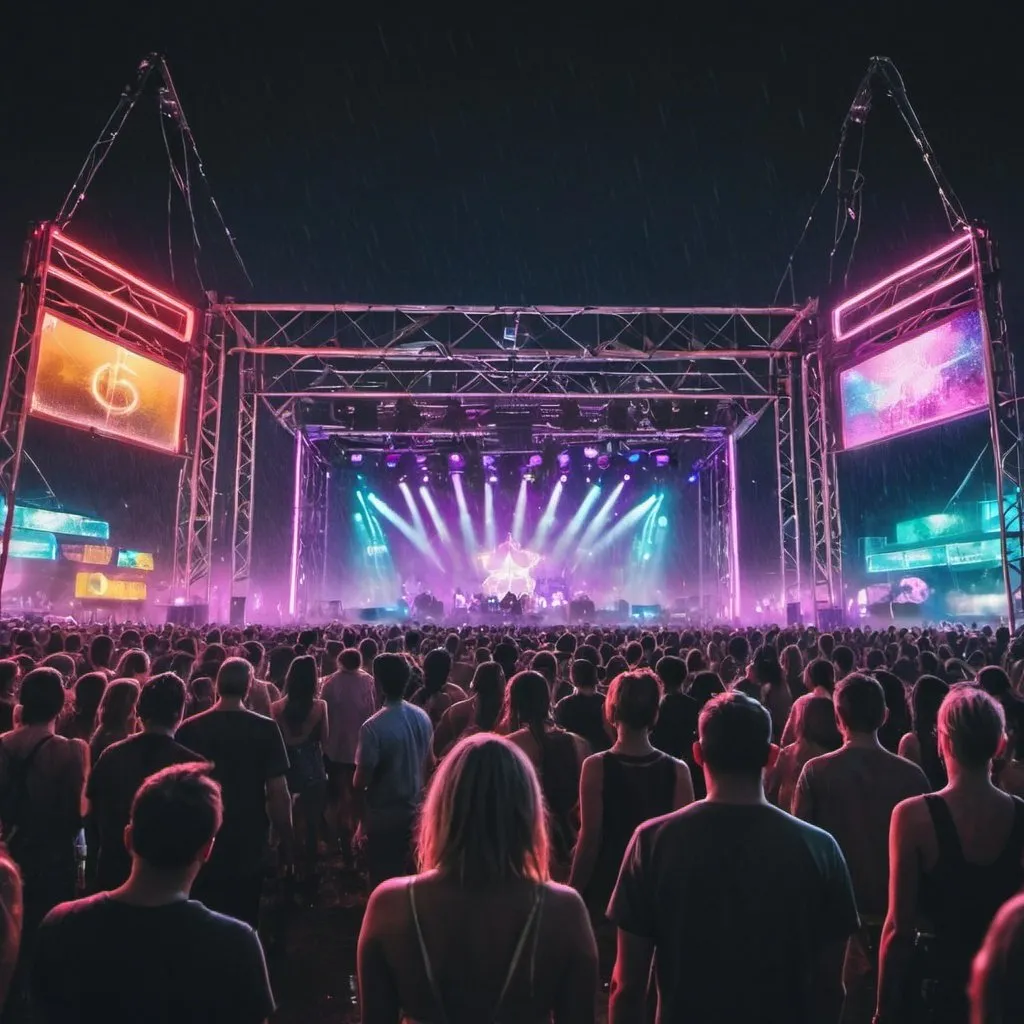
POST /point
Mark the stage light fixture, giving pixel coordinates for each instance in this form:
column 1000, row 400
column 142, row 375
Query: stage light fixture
column 625, row 477
column 564, row 459
column 590, row 452
column 563, row 479
column 661, row 459
column 456, row 461
column 633, row 457
column 493, row 478
column 426, row 478
column 392, row 459
column 355, row 458
column 358, row 517
column 536, row 460
column 603, row 462
column 663, row 521
column 692, row 478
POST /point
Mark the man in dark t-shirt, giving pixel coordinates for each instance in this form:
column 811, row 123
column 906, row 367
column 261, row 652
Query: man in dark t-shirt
column 250, row 762
column 582, row 712
column 747, row 909
column 123, row 767
column 146, row 952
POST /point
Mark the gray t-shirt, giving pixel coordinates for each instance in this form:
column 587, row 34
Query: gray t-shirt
column 392, row 751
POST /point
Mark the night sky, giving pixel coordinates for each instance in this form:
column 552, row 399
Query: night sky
column 609, row 154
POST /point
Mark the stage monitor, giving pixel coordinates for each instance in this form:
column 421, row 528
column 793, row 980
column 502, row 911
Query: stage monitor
column 933, row 378
column 85, row 380
column 135, row 560
column 96, row 586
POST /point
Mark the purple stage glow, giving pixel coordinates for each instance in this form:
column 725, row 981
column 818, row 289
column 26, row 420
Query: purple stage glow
column 536, row 461
column 590, row 452
column 935, row 377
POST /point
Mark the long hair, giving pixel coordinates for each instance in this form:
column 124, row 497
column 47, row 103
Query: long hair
column 483, row 819
column 116, row 706
column 300, row 690
column 133, row 663
column 489, row 686
column 529, row 703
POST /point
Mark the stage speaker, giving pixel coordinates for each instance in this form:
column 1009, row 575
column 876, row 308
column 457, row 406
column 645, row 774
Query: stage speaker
column 829, row 619
column 237, row 611
column 793, row 613
column 188, row 614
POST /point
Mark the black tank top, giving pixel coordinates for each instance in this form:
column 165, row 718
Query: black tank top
column 636, row 789
column 960, row 899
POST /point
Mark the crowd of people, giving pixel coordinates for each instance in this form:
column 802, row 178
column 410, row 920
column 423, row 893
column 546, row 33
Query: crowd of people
column 714, row 825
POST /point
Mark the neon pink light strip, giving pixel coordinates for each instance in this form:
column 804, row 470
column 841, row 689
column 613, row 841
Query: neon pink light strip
column 293, row 582
column 186, row 310
column 734, row 532
column 839, row 334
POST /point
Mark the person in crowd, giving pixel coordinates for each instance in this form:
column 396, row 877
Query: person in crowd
column 480, row 713
column 1011, row 778
column 817, row 735
column 101, row 653
column 200, row 696
column 116, row 716
column 250, row 764
column 10, row 673
column 921, row 744
column 556, row 755
column 792, row 661
column 123, row 767
column 620, row 789
column 11, row 911
column 546, row 664
column 851, row 794
column 302, row 718
column 819, row 681
column 278, row 661
column 393, row 760
column 262, row 694
column 676, row 726
column 897, row 719
column 437, row 693
column 133, row 664
column 42, row 784
column 774, row 693
column 462, row 667
column 997, row 974
column 955, row 857
column 146, row 951
column 844, row 660
column 481, row 933
column 694, row 892
column 80, row 720
column 582, row 712
column 351, row 699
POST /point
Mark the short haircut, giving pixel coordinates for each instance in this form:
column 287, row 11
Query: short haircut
column 350, row 659
column 844, row 659
column 735, row 734
column 544, row 662
column 634, row 652
column 254, row 653
column 973, row 723
column 234, row 677
column 42, row 696
column 738, row 647
column 633, row 699
column 584, row 674
column 175, row 813
column 860, row 702
column 162, row 701
column 391, row 674
column 820, row 672
column 876, row 659
column 671, row 671
column 994, row 681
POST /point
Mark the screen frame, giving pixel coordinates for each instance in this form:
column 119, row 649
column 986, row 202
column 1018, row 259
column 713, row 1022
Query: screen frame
column 30, row 386
column 861, row 356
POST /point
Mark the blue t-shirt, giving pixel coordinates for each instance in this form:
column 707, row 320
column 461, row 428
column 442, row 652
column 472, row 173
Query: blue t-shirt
column 392, row 751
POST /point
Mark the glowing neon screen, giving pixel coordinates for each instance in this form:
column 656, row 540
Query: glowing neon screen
column 135, row 560
column 935, row 377
column 90, row 382
column 87, row 554
column 97, row 586
column 33, row 544
column 57, row 522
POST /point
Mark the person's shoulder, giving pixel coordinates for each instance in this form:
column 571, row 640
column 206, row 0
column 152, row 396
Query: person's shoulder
column 563, row 902
column 75, row 912
column 417, row 713
column 223, row 927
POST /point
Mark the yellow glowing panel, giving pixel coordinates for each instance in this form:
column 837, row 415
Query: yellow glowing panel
column 92, row 383
column 96, row 586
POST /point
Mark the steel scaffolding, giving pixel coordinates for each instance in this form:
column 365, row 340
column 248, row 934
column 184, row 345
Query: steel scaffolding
column 309, row 526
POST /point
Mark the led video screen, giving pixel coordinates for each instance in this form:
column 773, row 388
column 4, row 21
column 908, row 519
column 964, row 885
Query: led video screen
column 96, row 586
column 26, row 518
column 135, row 560
column 87, row 381
column 935, row 377
column 87, row 554
column 32, row 544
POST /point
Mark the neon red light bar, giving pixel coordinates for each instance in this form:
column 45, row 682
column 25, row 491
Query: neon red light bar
column 844, row 307
column 183, row 308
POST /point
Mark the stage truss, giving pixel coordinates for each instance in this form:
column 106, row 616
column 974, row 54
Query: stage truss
column 426, row 378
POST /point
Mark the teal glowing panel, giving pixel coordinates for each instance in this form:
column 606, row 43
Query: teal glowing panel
column 33, row 544
column 974, row 553
column 915, row 558
column 127, row 559
column 926, row 528
column 57, row 522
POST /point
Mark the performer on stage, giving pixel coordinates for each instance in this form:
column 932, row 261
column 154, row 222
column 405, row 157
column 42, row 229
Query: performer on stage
column 509, row 569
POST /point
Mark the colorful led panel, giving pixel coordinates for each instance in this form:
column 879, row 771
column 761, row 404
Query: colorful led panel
column 87, row 554
column 87, row 381
column 57, row 522
column 32, row 544
column 935, row 377
column 97, row 586
column 135, row 560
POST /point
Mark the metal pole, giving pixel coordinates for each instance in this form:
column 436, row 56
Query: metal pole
column 215, row 459
column 791, row 379
column 701, row 532
column 735, row 603
column 293, row 579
